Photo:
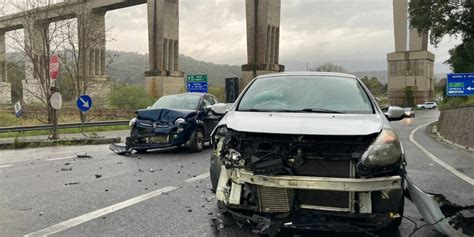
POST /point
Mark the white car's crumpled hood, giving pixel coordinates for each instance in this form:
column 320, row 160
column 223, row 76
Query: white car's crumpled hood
column 304, row 123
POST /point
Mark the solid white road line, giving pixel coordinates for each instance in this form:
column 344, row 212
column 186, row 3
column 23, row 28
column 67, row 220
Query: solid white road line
column 95, row 214
column 61, row 158
column 194, row 179
column 5, row 166
column 437, row 160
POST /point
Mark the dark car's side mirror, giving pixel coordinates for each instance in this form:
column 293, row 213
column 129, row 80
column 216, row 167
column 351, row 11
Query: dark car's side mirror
column 394, row 113
column 219, row 108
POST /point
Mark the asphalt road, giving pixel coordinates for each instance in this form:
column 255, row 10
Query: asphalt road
column 49, row 191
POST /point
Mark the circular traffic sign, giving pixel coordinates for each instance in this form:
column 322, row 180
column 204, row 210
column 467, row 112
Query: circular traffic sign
column 56, row 101
column 84, row 103
column 54, row 67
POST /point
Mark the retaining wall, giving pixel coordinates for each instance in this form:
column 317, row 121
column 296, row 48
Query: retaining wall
column 457, row 125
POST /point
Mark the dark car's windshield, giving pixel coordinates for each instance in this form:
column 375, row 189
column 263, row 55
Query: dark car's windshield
column 179, row 102
column 323, row 94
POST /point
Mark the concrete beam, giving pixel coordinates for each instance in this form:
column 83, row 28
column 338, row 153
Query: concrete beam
column 3, row 58
column 92, row 42
column 263, row 39
column 163, row 34
column 400, row 24
column 418, row 42
column 63, row 11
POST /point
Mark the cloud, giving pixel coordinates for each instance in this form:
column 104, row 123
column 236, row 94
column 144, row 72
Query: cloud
column 311, row 31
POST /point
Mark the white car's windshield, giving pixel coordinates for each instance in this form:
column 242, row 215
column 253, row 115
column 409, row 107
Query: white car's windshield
column 324, row 94
column 179, row 102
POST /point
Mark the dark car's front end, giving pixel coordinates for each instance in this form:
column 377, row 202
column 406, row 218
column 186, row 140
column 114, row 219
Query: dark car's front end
column 172, row 121
column 161, row 128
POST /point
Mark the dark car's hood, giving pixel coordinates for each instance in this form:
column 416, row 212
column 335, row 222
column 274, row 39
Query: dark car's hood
column 164, row 115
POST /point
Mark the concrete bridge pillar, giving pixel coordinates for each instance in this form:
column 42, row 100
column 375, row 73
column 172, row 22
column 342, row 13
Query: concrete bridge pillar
column 92, row 53
column 411, row 66
column 92, row 43
column 35, row 34
column 164, row 77
column 263, row 39
column 5, row 87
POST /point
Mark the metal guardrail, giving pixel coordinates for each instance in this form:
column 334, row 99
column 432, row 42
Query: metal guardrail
column 62, row 126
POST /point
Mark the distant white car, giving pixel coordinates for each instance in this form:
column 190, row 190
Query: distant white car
column 427, row 105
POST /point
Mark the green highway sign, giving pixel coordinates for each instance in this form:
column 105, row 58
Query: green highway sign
column 197, row 83
column 197, row 78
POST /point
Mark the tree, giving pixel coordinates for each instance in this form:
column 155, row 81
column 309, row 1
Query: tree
column 447, row 17
column 137, row 97
column 374, row 85
column 329, row 67
column 37, row 44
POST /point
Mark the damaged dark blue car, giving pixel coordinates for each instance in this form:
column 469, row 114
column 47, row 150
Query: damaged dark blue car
column 181, row 120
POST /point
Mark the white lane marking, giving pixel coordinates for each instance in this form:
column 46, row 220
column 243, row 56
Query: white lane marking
column 98, row 213
column 194, row 179
column 436, row 159
column 61, row 158
column 5, row 166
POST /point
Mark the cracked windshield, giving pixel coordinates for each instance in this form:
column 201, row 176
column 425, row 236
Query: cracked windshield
column 237, row 118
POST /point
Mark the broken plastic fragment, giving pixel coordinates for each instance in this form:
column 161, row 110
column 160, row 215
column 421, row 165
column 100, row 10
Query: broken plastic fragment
column 445, row 216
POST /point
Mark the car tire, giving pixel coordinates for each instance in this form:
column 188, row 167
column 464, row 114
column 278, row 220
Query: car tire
column 434, row 107
column 214, row 171
column 141, row 151
column 422, row 107
column 197, row 140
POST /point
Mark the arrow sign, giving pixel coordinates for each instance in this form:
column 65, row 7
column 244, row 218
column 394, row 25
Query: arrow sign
column 470, row 88
column 84, row 103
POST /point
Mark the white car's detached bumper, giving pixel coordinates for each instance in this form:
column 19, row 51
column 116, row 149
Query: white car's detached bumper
column 231, row 194
column 320, row 183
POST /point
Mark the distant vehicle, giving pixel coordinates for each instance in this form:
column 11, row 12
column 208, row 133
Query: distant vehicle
column 409, row 112
column 175, row 120
column 427, row 105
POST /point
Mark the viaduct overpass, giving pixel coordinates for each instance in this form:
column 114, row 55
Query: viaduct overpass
column 410, row 67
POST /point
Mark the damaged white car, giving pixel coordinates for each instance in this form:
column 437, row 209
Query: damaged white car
column 309, row 150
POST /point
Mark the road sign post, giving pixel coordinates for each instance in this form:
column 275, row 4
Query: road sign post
column 18, row 110
column 197, row 83
column 460, row 84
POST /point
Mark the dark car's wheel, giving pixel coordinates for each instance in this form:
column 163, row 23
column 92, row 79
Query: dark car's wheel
column 215, row 171
column 197, row 140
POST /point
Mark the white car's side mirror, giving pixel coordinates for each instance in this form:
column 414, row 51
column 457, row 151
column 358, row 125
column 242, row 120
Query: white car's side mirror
column 219, row 108
column 394, row 113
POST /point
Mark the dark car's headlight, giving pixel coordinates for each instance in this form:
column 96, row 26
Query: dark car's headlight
column 132, row 122
column 386, row 150
column 179, row 121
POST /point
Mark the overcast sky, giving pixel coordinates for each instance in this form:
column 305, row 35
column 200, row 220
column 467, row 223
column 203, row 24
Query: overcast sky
column 354, row 33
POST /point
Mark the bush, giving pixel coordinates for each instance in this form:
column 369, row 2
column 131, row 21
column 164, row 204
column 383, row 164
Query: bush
column 218, row 92
column 452, row 102
column 8, row 119
column 130, row 97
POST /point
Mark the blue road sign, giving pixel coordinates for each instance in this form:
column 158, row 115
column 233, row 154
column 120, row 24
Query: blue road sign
column 84, row 103
column 460, row 84
column 197, row 83
column 200, row 87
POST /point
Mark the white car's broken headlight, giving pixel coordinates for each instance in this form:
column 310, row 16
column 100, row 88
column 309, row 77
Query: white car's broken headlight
column 386, row 150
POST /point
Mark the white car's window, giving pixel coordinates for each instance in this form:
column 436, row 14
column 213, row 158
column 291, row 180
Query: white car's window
column 306, row 93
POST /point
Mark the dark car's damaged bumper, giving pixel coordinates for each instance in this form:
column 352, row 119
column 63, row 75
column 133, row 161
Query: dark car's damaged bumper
column 143, row 137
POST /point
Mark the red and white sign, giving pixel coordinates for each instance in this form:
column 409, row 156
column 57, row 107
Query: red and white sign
column 54, row 67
